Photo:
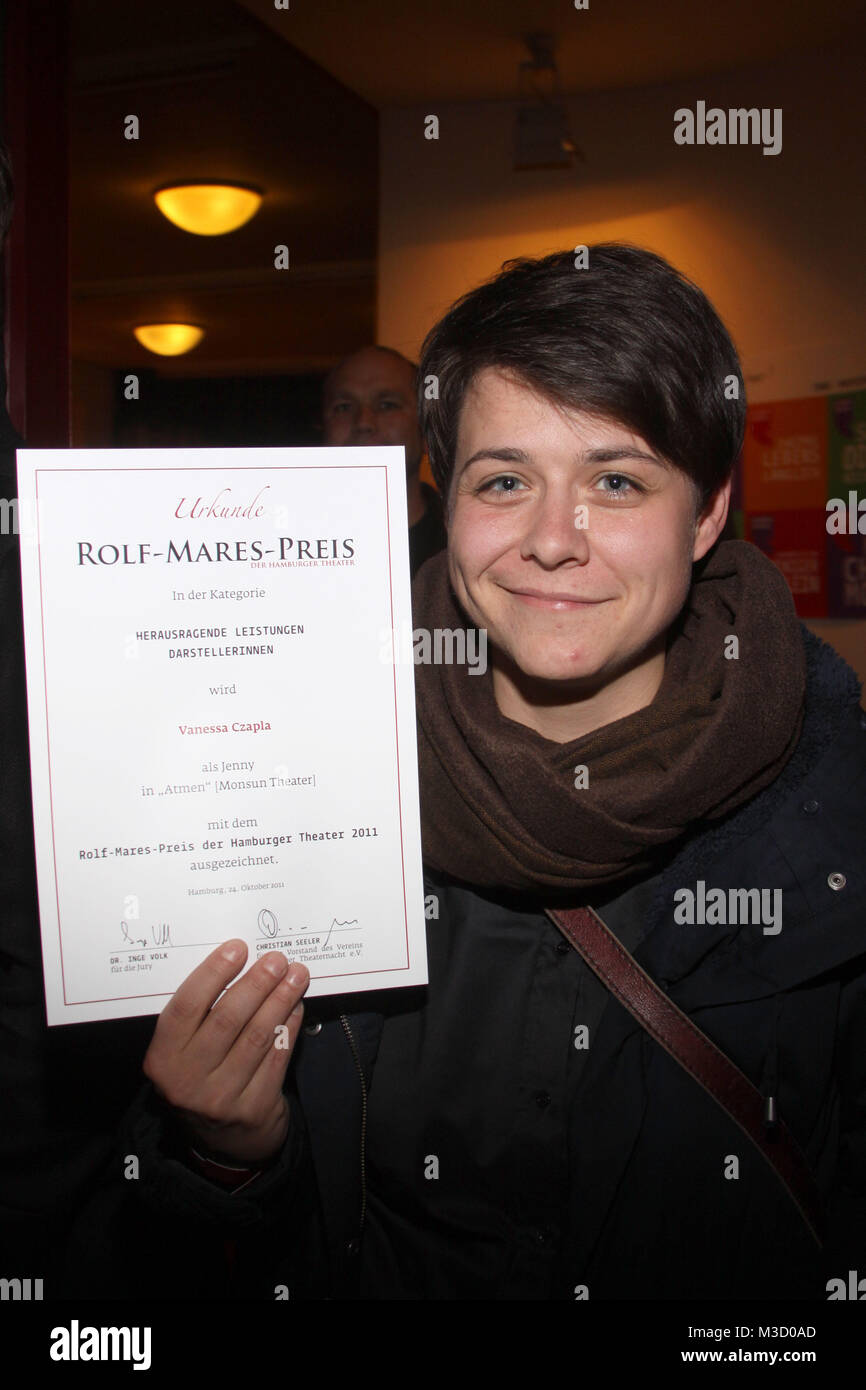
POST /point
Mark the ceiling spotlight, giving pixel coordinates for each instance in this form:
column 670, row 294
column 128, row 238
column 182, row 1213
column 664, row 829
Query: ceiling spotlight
column 542, row 133
column 169, row 339
column 208, row 209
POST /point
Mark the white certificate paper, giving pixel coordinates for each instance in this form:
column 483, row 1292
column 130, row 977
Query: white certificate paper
column 222, row 740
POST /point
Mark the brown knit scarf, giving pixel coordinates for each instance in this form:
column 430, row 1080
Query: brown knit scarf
column 499, row 807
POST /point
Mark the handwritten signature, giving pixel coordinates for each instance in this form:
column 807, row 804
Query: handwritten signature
column 160, row 931
column 269, row 926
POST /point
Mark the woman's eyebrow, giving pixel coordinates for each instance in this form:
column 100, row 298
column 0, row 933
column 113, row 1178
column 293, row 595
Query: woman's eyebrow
column 611, row 455
column 623, row 452
column 502, row 455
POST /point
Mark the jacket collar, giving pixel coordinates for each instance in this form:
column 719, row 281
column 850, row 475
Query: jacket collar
column 778, row 844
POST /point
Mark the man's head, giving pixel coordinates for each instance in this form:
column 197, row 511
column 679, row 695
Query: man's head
column 369, row 398
column 628, row 339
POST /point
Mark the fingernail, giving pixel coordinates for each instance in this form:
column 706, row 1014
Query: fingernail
column 298, row 976
column 232, row 953
column 275, row 964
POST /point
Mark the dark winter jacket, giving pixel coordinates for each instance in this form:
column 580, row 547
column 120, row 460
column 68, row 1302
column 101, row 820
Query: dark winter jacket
column 651, row 1206
column 646, row 1209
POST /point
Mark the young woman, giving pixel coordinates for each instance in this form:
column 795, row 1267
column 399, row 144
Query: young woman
column 661, row 755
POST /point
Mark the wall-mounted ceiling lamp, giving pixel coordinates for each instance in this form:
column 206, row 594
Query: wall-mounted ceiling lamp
column 208, row 209
column 542, row 133
column 169, row 339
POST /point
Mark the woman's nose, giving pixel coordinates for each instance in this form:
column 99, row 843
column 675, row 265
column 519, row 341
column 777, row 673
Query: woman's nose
column 557, row 530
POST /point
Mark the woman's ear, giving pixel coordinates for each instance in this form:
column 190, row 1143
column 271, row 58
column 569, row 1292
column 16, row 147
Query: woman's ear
column 711, row 520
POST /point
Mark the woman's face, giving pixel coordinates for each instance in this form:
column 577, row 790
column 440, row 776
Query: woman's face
column 571, row 541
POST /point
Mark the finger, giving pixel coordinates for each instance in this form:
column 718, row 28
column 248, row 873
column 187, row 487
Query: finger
column 269, row 1036
column 260, row 1109
column 235, row 1013
column 262, row 1103
column 193, row 1000
column 267, row 1079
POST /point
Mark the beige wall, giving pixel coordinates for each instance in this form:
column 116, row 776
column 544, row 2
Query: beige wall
column 776, row 241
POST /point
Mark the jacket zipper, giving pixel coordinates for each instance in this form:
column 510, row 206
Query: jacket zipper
column 357, row 1056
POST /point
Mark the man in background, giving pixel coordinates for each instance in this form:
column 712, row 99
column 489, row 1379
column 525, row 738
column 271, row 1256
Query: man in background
column 369, row 398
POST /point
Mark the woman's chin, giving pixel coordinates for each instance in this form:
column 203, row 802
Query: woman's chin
column 558, row 668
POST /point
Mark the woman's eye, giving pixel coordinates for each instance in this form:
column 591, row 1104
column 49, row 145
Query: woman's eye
column 508, row 481
column 620, row 485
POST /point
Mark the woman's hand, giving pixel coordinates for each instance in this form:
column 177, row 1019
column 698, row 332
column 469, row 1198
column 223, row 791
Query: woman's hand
column 217, row 1063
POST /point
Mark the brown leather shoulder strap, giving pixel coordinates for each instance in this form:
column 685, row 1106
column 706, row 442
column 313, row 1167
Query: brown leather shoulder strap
column 695, row 1052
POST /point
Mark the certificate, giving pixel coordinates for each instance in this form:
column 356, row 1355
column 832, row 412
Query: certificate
column 222, row 723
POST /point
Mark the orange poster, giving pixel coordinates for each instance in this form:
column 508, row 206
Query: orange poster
column 785, row 456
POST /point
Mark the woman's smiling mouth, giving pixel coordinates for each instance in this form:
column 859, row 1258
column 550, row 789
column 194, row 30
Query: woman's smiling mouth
column 539, row 598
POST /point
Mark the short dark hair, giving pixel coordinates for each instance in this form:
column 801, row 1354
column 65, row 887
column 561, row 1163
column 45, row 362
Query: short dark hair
column 628, row 337
column 6, row 191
